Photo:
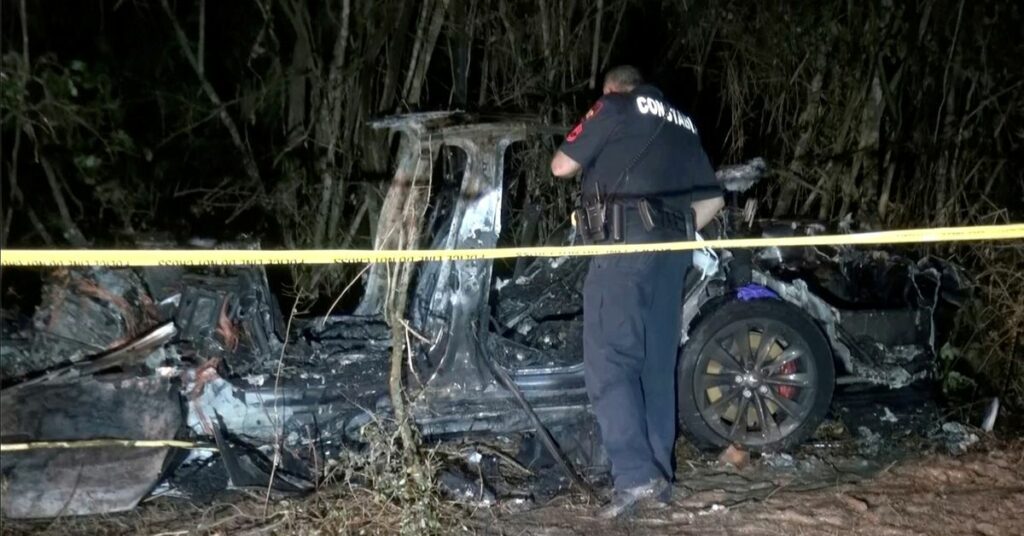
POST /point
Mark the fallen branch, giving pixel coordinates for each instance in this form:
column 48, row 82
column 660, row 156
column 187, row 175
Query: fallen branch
column 98, row 443
column 395, row 387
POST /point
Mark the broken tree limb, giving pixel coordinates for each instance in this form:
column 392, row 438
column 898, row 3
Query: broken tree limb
column 397, row 304
column 542, row 431
column 395, row 385
column 99, row 443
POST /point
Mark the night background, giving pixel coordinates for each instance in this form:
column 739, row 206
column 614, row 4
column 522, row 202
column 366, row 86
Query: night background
column 127, row 122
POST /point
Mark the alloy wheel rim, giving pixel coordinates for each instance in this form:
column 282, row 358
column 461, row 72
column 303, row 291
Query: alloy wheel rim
column 755, row 382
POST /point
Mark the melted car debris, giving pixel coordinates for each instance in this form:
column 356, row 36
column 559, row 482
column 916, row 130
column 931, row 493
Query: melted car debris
column 214, row 341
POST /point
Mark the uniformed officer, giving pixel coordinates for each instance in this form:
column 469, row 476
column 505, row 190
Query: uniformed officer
column 646, row 179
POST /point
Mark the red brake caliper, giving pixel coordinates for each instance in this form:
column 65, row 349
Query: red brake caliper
column 787, row 391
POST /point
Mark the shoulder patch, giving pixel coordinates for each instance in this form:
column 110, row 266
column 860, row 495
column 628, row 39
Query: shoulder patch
column 591, row 113
column 575, row 132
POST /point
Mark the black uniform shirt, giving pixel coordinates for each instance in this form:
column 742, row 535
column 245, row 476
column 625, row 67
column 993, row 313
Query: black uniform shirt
column 674, row 168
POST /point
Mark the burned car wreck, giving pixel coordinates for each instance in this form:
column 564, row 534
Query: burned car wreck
column 175, row 353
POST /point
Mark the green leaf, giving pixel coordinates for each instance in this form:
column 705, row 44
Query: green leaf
column 949, row 353
column 88, row 161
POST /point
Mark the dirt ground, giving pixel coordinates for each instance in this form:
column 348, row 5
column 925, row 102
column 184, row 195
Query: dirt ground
column 981, row 492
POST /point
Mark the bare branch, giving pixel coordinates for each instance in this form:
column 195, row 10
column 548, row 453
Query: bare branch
column 248, row 161
column 425, row 50
column 329, row 125
column 201, row 53
column 71, row 231
column 596, row 46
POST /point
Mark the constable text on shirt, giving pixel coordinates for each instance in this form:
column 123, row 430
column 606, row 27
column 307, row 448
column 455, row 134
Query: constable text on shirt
column 652, row 106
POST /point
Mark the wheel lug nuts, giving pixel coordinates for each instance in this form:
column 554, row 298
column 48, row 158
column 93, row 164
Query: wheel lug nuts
column 747, row 393
column 763, row 389
column 739, row 378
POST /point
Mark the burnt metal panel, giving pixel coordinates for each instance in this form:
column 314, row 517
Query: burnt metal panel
column 890, row 326
column 57, row 482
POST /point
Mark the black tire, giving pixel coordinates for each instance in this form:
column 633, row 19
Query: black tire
column 794, row 393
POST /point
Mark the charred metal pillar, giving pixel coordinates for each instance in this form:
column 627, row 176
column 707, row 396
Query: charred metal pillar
column 462, row 288
column 399, row 223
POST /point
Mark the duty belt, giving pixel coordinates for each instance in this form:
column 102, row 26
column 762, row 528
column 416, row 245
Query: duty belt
column 600, row 222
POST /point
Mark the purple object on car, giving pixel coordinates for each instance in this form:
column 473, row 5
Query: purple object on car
column 755, row 292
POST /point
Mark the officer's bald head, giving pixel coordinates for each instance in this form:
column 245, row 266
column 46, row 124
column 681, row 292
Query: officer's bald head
column 622, row 79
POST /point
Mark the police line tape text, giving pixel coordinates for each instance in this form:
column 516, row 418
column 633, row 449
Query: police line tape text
column 224, row 257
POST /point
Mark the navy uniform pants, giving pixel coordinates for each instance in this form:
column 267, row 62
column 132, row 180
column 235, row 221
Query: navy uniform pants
column 631, row 329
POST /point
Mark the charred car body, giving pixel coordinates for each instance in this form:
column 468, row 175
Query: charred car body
column 172, row 352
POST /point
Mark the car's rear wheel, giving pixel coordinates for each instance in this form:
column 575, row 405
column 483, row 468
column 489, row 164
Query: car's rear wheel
column 756, row 374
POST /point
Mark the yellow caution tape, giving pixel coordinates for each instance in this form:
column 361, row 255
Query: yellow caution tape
column 96, row 443
column 218, row 257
